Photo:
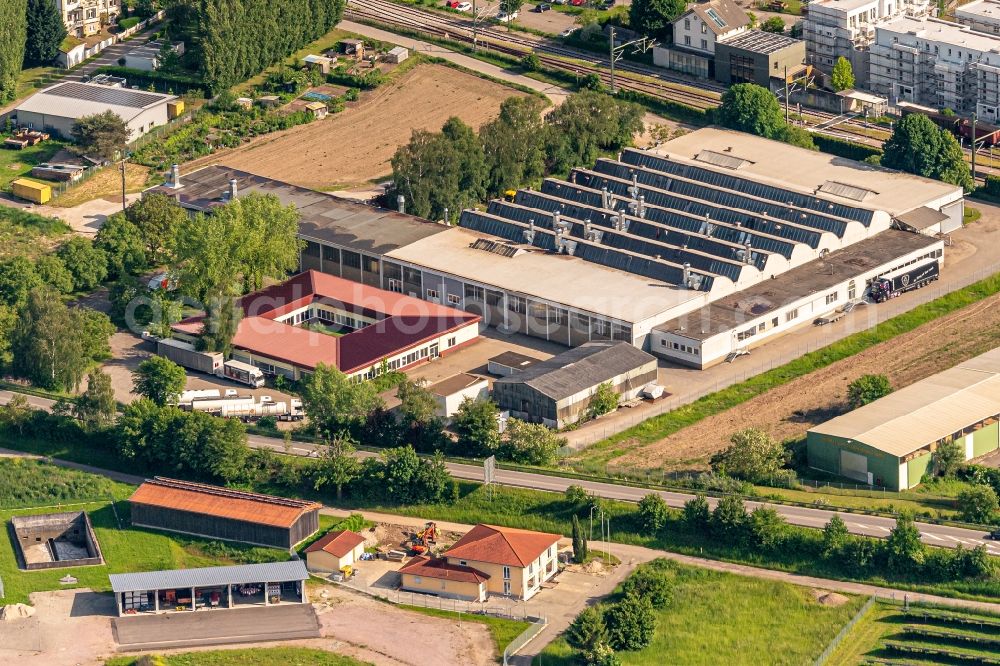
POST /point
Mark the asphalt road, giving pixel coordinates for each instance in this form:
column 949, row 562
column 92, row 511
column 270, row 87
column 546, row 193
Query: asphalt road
column 875, row 526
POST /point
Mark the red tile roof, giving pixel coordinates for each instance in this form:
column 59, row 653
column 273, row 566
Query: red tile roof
column 221, row 502
column 502, row 545
column 438, row 567
column 402, row 322
column 338, row 543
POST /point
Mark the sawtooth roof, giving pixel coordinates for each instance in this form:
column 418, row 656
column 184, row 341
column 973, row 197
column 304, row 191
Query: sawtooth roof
column 502, row 545
column 579, row 368
column 221, row 502
column 929, row 410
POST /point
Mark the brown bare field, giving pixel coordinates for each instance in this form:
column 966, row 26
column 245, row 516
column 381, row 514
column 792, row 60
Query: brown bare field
column 355, row 146
column 788, row 411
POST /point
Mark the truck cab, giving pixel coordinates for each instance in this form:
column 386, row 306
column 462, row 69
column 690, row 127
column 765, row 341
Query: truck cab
column 243, row 373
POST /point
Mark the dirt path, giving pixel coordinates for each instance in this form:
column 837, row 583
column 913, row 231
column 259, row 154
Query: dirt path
column 355, row 146
column 789, row 410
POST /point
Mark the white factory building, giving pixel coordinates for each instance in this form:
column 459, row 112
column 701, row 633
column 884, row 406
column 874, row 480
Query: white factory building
column 58, row 107
column 709, row 244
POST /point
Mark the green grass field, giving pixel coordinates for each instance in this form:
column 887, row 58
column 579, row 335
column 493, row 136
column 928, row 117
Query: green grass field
column 888, row 632
column 17, row 163
column 124, row 550
column 719, row 618
column 26, row 234
column 501, row 629
column 274, row 656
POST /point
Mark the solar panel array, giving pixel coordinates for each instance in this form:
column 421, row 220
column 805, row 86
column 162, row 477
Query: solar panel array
column 105, row 95
column 747, row 186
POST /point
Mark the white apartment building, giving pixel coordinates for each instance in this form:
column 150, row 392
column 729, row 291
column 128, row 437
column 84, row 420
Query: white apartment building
column 85, row 17
column 835, row 28
column 704, row 24
column 937, row 63
column 980, row 15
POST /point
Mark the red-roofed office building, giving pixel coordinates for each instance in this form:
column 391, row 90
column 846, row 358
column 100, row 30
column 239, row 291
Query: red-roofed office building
column 487, row 560
column 312, row 318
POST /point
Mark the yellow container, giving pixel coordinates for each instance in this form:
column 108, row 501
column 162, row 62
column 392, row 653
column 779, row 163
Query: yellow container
column 174, row 109
column 39, row 193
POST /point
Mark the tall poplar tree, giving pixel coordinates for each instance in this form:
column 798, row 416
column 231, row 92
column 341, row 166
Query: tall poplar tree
column 13, row 32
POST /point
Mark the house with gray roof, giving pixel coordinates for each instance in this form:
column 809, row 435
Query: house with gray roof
column 705, row 23
column 558, row 392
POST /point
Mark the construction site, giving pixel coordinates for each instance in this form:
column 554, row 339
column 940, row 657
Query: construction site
column 52, row 540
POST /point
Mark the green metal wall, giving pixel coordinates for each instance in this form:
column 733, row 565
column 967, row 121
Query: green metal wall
column 823, row 453
column 985, row 440
column 916, row 468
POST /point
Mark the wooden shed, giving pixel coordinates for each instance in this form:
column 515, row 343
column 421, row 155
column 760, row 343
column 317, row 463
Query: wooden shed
column 223, row 513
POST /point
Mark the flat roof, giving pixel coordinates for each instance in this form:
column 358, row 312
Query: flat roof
column 220, row 502
column 579, row 368
column 240, row 574
column 944, row 32
column 516, row 360
column 324, row 217
column 758, row 41
column 845, row 5
column 454, row 384
column 862, row 96
column 556, row 278
column 75, row 100
column 929, row 410
column 807, row 171
column 813, row 277
column 987, row 9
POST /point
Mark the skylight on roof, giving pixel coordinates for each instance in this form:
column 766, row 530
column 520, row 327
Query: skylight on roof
column 721, row 159
column 846, row 191
column 714, row 15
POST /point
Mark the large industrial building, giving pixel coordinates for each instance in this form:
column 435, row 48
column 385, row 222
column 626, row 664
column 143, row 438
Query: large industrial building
column 642, row 248
column 891, row 442
column 58, row 107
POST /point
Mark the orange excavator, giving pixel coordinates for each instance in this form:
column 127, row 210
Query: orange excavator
column 423, row 539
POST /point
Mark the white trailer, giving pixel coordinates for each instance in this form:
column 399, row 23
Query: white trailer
column 247, row 408
column 241, row 372
column 186, row 397
column 184, row 354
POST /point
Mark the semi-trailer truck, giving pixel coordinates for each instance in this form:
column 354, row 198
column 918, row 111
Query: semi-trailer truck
column 247, row 408
column 884, row 288
column 212, row 363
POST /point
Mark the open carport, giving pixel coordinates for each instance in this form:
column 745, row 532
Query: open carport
column 210, row 588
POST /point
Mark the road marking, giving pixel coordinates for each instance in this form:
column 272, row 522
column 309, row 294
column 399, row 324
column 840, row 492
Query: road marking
column 933, row 536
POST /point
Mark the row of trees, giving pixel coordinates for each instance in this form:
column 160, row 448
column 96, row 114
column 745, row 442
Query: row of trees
column 233, row 40
column 13, row 34
column 339, row 407
column 455, row 169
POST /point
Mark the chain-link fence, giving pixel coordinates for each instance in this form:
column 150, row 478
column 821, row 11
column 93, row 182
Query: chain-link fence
column 537, row 624
column 845, row 630
column 763, row 359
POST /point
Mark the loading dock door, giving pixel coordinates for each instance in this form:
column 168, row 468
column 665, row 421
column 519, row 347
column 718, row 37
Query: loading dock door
column 854, row 466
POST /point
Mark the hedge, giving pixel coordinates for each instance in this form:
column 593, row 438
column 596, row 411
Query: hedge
column 844, row 148
column 137, row 77
column 130, row 22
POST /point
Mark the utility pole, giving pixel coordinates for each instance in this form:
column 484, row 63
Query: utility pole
column 786, row 94
column 612, row 54
column 975, row 119
column 124, row 203
column 475, row 26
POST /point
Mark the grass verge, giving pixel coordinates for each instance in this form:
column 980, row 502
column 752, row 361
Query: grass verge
column 720, row 618
column 595, row 457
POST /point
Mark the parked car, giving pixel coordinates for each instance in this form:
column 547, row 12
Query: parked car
column 453, row 4
column 504, row 17
column 164, row 281
column 542, row 7
column 577, row 3
column 560, row 2
column 464, row 6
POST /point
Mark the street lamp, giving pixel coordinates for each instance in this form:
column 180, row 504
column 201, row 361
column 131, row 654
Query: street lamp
column 592, row 522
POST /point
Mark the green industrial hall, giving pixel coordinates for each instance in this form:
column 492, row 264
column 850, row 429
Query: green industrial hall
column 890, row 442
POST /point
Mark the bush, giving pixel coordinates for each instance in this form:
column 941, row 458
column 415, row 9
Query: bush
column 866, row 389
column 649, row 583
column 130, row 22
column 653, row 512
column 630, row 623
column 268, row 423
column 753, row 456
column 978, row 504
column 844, row 148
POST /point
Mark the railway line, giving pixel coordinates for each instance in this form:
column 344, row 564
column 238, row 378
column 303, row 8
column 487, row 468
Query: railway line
column 654, row 82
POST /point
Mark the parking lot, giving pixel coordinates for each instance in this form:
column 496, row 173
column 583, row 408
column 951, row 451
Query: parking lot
column 552, row 22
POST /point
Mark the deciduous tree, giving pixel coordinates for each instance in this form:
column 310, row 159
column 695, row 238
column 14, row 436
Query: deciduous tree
column 867, row 388
column 18, row 277
column 903, row 547
column 338, row 465
column 96, row 407
column 159, row 379
column 334, row 402
column 753, row 456
column 421, row 426
column 729, row 519
column 513, row 145
column 653, row 512
column 918, row 146
column 748, row 107
column 842, row 77
column 604, row 400
column 477, row 428
column 102, row 135
column 123, row 245
column 586, row 124
column 529, row 443
column 649, row 583
column 654, row 18
column 86, row 263
column 630, row 623
column 158, row 217
column 774, row 24
column 54, row 273
column 948, row 457
column 696, row 512
column 835, row 536
column 978, row 504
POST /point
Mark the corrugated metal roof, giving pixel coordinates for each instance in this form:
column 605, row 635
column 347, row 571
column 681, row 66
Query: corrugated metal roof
column 240, row 574
column 75, row 100
column 913, row 417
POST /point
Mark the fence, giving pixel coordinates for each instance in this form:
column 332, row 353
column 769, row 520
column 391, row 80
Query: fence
column 725, row 375
column 523, row 639
column 845, row 630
